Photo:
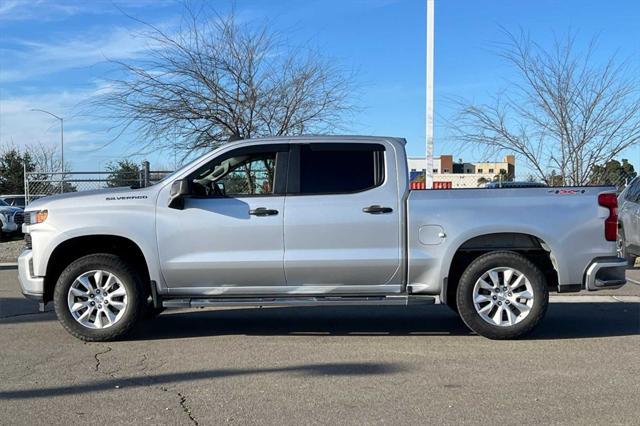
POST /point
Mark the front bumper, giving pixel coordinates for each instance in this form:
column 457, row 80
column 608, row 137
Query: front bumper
column 606, row 273
column 32, row 287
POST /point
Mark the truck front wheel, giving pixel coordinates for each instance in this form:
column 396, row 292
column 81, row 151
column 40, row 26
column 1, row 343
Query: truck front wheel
column 98, row 298
column 502, row 295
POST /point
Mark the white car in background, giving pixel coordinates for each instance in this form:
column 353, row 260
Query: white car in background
column 19, row 200
column 629, row 222
column 11, row 219
column 14, row 200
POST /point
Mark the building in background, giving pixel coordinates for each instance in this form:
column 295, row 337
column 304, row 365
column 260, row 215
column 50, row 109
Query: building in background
column 450, row 174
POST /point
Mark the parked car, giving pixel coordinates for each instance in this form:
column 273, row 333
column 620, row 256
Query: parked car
column 301, row 221
column 19, row 200
column 629, row 222
column 14, row 200
column 508, row 184
column 11, row 219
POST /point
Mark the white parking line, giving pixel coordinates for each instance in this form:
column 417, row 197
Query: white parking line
column 4, row 266
column 593, row 299
column 633, row 281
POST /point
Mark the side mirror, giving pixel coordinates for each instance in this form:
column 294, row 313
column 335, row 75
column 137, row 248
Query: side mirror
column 179, row 189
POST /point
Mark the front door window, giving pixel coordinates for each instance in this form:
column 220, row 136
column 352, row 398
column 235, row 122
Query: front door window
column 241, row 175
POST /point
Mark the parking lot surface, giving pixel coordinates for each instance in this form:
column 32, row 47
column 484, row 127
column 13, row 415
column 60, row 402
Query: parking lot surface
column 324, row 365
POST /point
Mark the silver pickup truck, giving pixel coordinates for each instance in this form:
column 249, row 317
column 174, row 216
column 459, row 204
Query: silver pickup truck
column 307, row 221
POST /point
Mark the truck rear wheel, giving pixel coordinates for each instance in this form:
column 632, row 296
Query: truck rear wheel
column 502, row 295
column 98, row 298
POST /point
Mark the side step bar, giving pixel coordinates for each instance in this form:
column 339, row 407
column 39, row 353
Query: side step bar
column 403, row 300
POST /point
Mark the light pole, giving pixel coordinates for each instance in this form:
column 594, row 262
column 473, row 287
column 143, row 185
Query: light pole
column 61, row 145
column 429, row 95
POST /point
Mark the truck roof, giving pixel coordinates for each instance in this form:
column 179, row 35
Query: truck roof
column 311, row 138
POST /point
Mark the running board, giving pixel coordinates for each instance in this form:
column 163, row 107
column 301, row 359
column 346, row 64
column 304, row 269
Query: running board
column 300, row 301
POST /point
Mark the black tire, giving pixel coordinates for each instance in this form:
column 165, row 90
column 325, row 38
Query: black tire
column 136, row 297
column 622, row 248
column 498, row 259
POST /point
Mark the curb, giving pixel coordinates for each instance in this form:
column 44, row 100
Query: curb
column 8, row 266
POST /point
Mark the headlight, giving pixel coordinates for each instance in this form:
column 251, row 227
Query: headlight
column 39, row 216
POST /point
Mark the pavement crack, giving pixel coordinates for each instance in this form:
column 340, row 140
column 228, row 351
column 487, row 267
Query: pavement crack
column 142, row 364
column 184, row 405
column 182, row 398
column 97, row 357
column 186, row 408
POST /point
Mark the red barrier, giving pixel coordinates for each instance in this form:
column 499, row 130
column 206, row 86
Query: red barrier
column 442, row 185
column 436, row 185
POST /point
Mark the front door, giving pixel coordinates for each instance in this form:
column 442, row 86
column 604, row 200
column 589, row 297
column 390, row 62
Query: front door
column 230, row 232
column 342, row 218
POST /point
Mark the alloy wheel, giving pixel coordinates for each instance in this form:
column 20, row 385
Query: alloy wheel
column 503, row 296
column 97, row 299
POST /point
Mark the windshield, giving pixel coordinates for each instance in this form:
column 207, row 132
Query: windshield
column 3, row 203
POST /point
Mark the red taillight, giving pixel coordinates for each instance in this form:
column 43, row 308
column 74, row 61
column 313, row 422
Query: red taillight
column 610, row 201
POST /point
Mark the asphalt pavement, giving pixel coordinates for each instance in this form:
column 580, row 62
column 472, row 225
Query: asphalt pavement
column 343, row 365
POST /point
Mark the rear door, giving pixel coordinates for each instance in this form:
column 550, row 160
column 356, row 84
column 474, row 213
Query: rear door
column 342, row 217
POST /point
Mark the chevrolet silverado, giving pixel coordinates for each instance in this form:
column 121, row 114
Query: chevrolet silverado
column 316, row 220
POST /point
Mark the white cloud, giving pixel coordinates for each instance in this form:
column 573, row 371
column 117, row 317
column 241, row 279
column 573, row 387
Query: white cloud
column 88, row 141
column 51, row 10
column 31, row 58
column 21, row 126
column 8, row 6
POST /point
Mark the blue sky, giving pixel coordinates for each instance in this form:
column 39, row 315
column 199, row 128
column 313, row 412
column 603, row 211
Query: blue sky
column 52, row 56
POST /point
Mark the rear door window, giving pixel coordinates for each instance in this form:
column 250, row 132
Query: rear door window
column 339, row 168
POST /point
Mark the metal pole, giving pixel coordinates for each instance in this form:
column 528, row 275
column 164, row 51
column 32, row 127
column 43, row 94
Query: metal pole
column 62, row 154
column 146, row 174
column 26, row 185
column 429, row 94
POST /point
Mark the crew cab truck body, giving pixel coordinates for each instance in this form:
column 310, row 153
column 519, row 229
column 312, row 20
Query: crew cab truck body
column 315, row 221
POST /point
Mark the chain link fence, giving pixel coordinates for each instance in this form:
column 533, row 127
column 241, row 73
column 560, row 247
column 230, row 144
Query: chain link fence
column 474, row 180
column 43, row 184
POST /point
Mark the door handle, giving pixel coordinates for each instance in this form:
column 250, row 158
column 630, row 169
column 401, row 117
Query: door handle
column 263, row 211
column 377, row 209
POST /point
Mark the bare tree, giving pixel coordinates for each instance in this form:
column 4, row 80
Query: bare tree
column 46, row 158
column 46, row 174
column 565, row 115
column 216, row 79
column 39, row 161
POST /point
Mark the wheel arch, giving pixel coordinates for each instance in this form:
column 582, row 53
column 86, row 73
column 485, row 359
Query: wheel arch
column 531, row 246
column 76, row 247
